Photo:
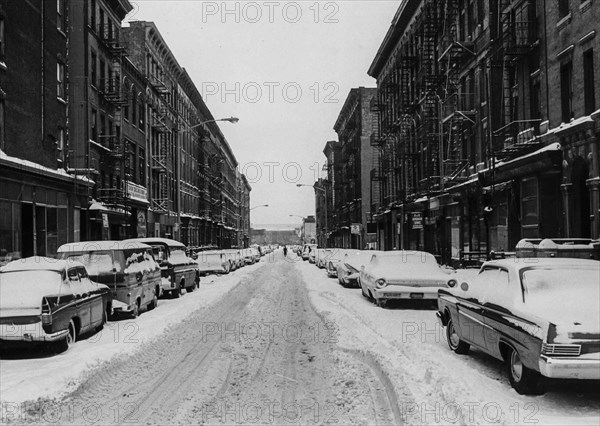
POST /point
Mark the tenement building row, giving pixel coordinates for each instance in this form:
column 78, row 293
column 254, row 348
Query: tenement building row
column 104, row 135
column 484, row 131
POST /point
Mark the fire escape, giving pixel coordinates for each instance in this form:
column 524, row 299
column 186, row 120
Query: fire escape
column 162, row 164
column 428, row 81
column 114, row 158
column 518, row 136
column 456, row 105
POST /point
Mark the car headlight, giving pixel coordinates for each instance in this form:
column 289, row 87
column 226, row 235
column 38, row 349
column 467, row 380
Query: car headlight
column 380, row 283
column 452, row 283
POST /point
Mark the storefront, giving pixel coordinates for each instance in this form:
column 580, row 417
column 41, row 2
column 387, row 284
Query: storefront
column 40, row 208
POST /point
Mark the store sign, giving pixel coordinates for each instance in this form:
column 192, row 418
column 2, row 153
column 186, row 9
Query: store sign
column 141, row 224
column 137, row 192
column 104, row 220
column 417, row 220
column 355, row 228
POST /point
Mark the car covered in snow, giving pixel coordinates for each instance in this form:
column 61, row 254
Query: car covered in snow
column 321, row 257
column 178, row 271
column 348, row 269
column 307, row 249
column 213, row 262
column 540, row 316
column 234, row 257
column 50, row 300
column 127, row 268
column 336, row 256
column 402, row 275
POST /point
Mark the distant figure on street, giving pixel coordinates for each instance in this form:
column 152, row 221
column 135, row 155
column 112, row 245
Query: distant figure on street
column 285, row 251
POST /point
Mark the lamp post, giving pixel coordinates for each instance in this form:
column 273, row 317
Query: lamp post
column 262, row 205
column 232, row 120
column 318, row 188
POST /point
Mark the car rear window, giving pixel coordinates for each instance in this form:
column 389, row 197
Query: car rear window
column 25, row 289
column 96, row 262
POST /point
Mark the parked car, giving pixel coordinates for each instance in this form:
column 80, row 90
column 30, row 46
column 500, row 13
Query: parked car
column 50, row 300
column 127, row 268
column 336, row 256
column 178, row 271
column 540, row 316
column 349, row 267
column 322, row 257
column 235, row 258
column 402, row 274
column 307, row 250
column 213, row 262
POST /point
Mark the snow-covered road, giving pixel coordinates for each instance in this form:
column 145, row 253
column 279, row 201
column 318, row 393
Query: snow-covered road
column 273, row 335
column 410, row 346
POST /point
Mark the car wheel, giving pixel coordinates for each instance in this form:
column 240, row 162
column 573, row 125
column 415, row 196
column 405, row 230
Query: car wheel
column 190, row 289
column 176, row 293
column 524, row 380
column 454, row 342
column 154, row 302
column 136, row 309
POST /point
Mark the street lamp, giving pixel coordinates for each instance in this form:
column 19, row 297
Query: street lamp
column 297, row 215
column 232, row 120
column 262, row 205
column 318, row 188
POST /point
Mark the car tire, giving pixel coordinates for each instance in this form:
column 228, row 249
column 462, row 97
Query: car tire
column 454, row 341
column 524, row 380
column 136, row 309
column 154, row 303
column 64, row 344
column 176, row 293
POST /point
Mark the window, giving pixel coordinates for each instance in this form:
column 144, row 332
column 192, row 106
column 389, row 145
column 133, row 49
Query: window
column 1, row 123
column 60, row 144
column 126, row 105
column 566, row 91
column 133, row 107
column 94, row 129
column 563, row 8
column 93, row 14
column 60, row 15
column 1, row 38
column 141, row 167
column 588, row 81
column 93, row 69
column 101, row 27
column 60, row 80
column 535, row 101
column 141, row 114
column 102, row 82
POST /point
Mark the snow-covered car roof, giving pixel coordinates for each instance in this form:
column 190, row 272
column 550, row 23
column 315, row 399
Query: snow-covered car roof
column 84, row 246
column 40, row 263
column 157, row 240
column 528, row 262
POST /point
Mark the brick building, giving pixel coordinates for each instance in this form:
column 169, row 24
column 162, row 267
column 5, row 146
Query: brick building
column 475, row 145
column 353, row 183
column 40, row 203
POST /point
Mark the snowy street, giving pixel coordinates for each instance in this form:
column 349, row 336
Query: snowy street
column 277, row 343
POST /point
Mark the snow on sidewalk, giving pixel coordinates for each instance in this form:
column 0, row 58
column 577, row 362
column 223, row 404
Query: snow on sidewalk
column 50, row 376
column 434, row 385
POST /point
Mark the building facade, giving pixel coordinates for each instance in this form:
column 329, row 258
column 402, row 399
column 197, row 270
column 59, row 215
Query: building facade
column 40, row 203
column 475, row 146
column 353, row 176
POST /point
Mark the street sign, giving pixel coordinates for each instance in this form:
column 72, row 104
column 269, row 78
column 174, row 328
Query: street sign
column 417, row 220
column 355, row 228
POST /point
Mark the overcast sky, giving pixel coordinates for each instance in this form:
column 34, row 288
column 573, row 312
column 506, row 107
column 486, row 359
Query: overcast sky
column 284, row 68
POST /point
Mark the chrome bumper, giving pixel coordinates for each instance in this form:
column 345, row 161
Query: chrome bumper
column 570, row 368
column 396, row 292
column 29, row 333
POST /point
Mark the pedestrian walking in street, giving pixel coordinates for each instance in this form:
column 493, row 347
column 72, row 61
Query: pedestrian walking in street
column 285, row 251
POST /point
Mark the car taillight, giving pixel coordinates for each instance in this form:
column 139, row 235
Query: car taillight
column 46, row 313
column 561, row 350
column 452, row 283
column 380, row 283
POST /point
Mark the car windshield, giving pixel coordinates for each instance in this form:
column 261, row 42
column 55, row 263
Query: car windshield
column 96, row 262
column 178, row 255
column 575, row 289
column 25, row 289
